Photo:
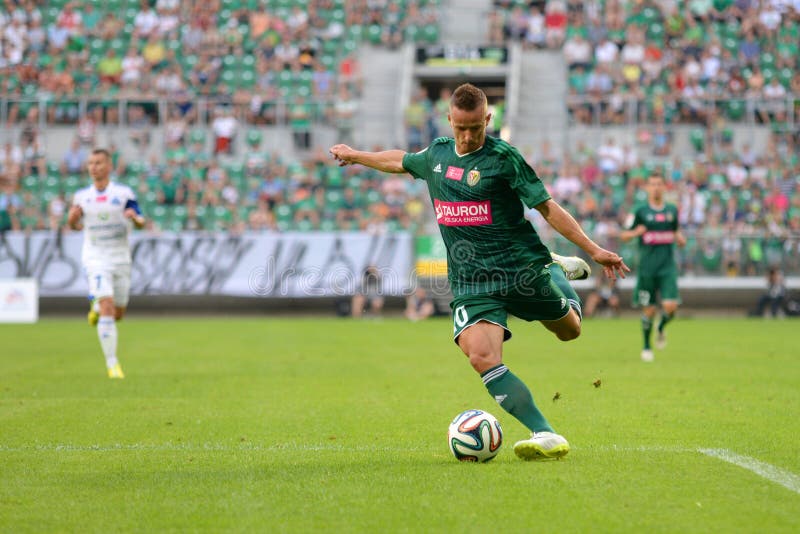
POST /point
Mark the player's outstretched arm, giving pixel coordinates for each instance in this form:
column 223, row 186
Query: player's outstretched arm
column 566, row 225
column 627, row 235
column 385, row 161
column 74, row 217
column 680, row 239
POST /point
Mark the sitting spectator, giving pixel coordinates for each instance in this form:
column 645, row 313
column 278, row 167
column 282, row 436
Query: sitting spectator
column 368, row 293
column 419, row 305
column 109, row 68
column 225, row 127
column 555, row 22
column 578, row 52
column 74, row 160
column 604, row 297
column 146, row 22
column 774, row 296
column 536, row 32
column 139, row 126
column 10, row 206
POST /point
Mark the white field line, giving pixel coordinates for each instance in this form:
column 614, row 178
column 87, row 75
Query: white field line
column 774, row 474
column 200, row 447
column 770, row 472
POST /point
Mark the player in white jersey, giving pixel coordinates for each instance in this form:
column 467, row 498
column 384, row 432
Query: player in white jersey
column 106, row 211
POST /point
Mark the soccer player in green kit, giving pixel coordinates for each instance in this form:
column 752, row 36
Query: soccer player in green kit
column 656, row 226
column 496, row 262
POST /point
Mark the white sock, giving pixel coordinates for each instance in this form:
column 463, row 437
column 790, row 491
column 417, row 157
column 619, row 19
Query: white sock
column 107, row 332
column 96, row 306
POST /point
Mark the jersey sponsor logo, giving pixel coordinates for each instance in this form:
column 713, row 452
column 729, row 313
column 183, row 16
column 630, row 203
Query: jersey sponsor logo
column 463, row 213
column 101, row 198
column 454, row 173
column 660, row 217
column 473, row 177
column 438, row 168
column 658, row 238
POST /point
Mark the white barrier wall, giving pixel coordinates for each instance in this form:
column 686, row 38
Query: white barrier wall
column 19, row 300
column 292, row 265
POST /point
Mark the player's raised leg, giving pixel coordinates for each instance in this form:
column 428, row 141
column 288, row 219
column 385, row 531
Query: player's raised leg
column 482, row 342
column 569, row 326
column 574, row 268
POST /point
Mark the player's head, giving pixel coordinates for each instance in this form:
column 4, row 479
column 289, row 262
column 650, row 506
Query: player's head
column 99, row 164
column 656, row 187
column 468, row 116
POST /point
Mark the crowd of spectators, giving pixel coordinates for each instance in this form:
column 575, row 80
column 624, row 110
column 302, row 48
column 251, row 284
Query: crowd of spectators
column 81, row 57
column 741, row 208
column 667, row 60
column 252, row 62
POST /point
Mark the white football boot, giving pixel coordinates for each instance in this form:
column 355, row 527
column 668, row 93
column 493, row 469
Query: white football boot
column 541, row 446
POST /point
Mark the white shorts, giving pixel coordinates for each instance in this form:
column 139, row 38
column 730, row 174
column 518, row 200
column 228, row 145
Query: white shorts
column 112, row 281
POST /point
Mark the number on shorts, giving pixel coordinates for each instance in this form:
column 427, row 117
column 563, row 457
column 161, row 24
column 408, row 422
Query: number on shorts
column 644, row 298
column 460, row 316
column 97, row 282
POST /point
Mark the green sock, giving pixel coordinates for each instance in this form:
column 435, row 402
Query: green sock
column 514, row 397
column 560, row 279
column 665, row 318
column 647, row 327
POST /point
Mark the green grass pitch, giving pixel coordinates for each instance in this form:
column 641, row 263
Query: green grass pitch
column 298, row 425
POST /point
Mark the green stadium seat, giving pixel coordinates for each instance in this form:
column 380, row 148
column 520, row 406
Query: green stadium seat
column 52, row 184
column 430, row 33
column 72, row 183
column 304, row 225
column 735, row 109
column 283, row 212
column 334, row 199
column 254, row 137
column 697, row 138
column 328, row 225
column 374, row 33
column 30, row 183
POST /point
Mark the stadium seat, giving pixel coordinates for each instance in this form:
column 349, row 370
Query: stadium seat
column 31, row 183
column 735, row 109
column 304, row 225
column 697, row 138
column 327, row 225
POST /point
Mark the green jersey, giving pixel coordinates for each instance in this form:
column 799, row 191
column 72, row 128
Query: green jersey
column 657, row 244
column 478, row 200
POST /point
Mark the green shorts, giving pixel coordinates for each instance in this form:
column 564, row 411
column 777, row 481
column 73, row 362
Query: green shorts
column 651, row 288
column 540, row 300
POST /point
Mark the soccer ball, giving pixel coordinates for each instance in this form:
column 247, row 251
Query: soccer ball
column 475, row 436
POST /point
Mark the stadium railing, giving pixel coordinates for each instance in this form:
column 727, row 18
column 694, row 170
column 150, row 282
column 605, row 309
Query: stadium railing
column 278, row 108
column 635, row 110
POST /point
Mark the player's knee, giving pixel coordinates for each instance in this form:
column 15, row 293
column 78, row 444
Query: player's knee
column 119, row 314
column 483, row 360
column 569, row 333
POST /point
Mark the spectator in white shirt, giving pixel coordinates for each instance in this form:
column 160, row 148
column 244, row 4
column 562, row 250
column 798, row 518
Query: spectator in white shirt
column 146, row 21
